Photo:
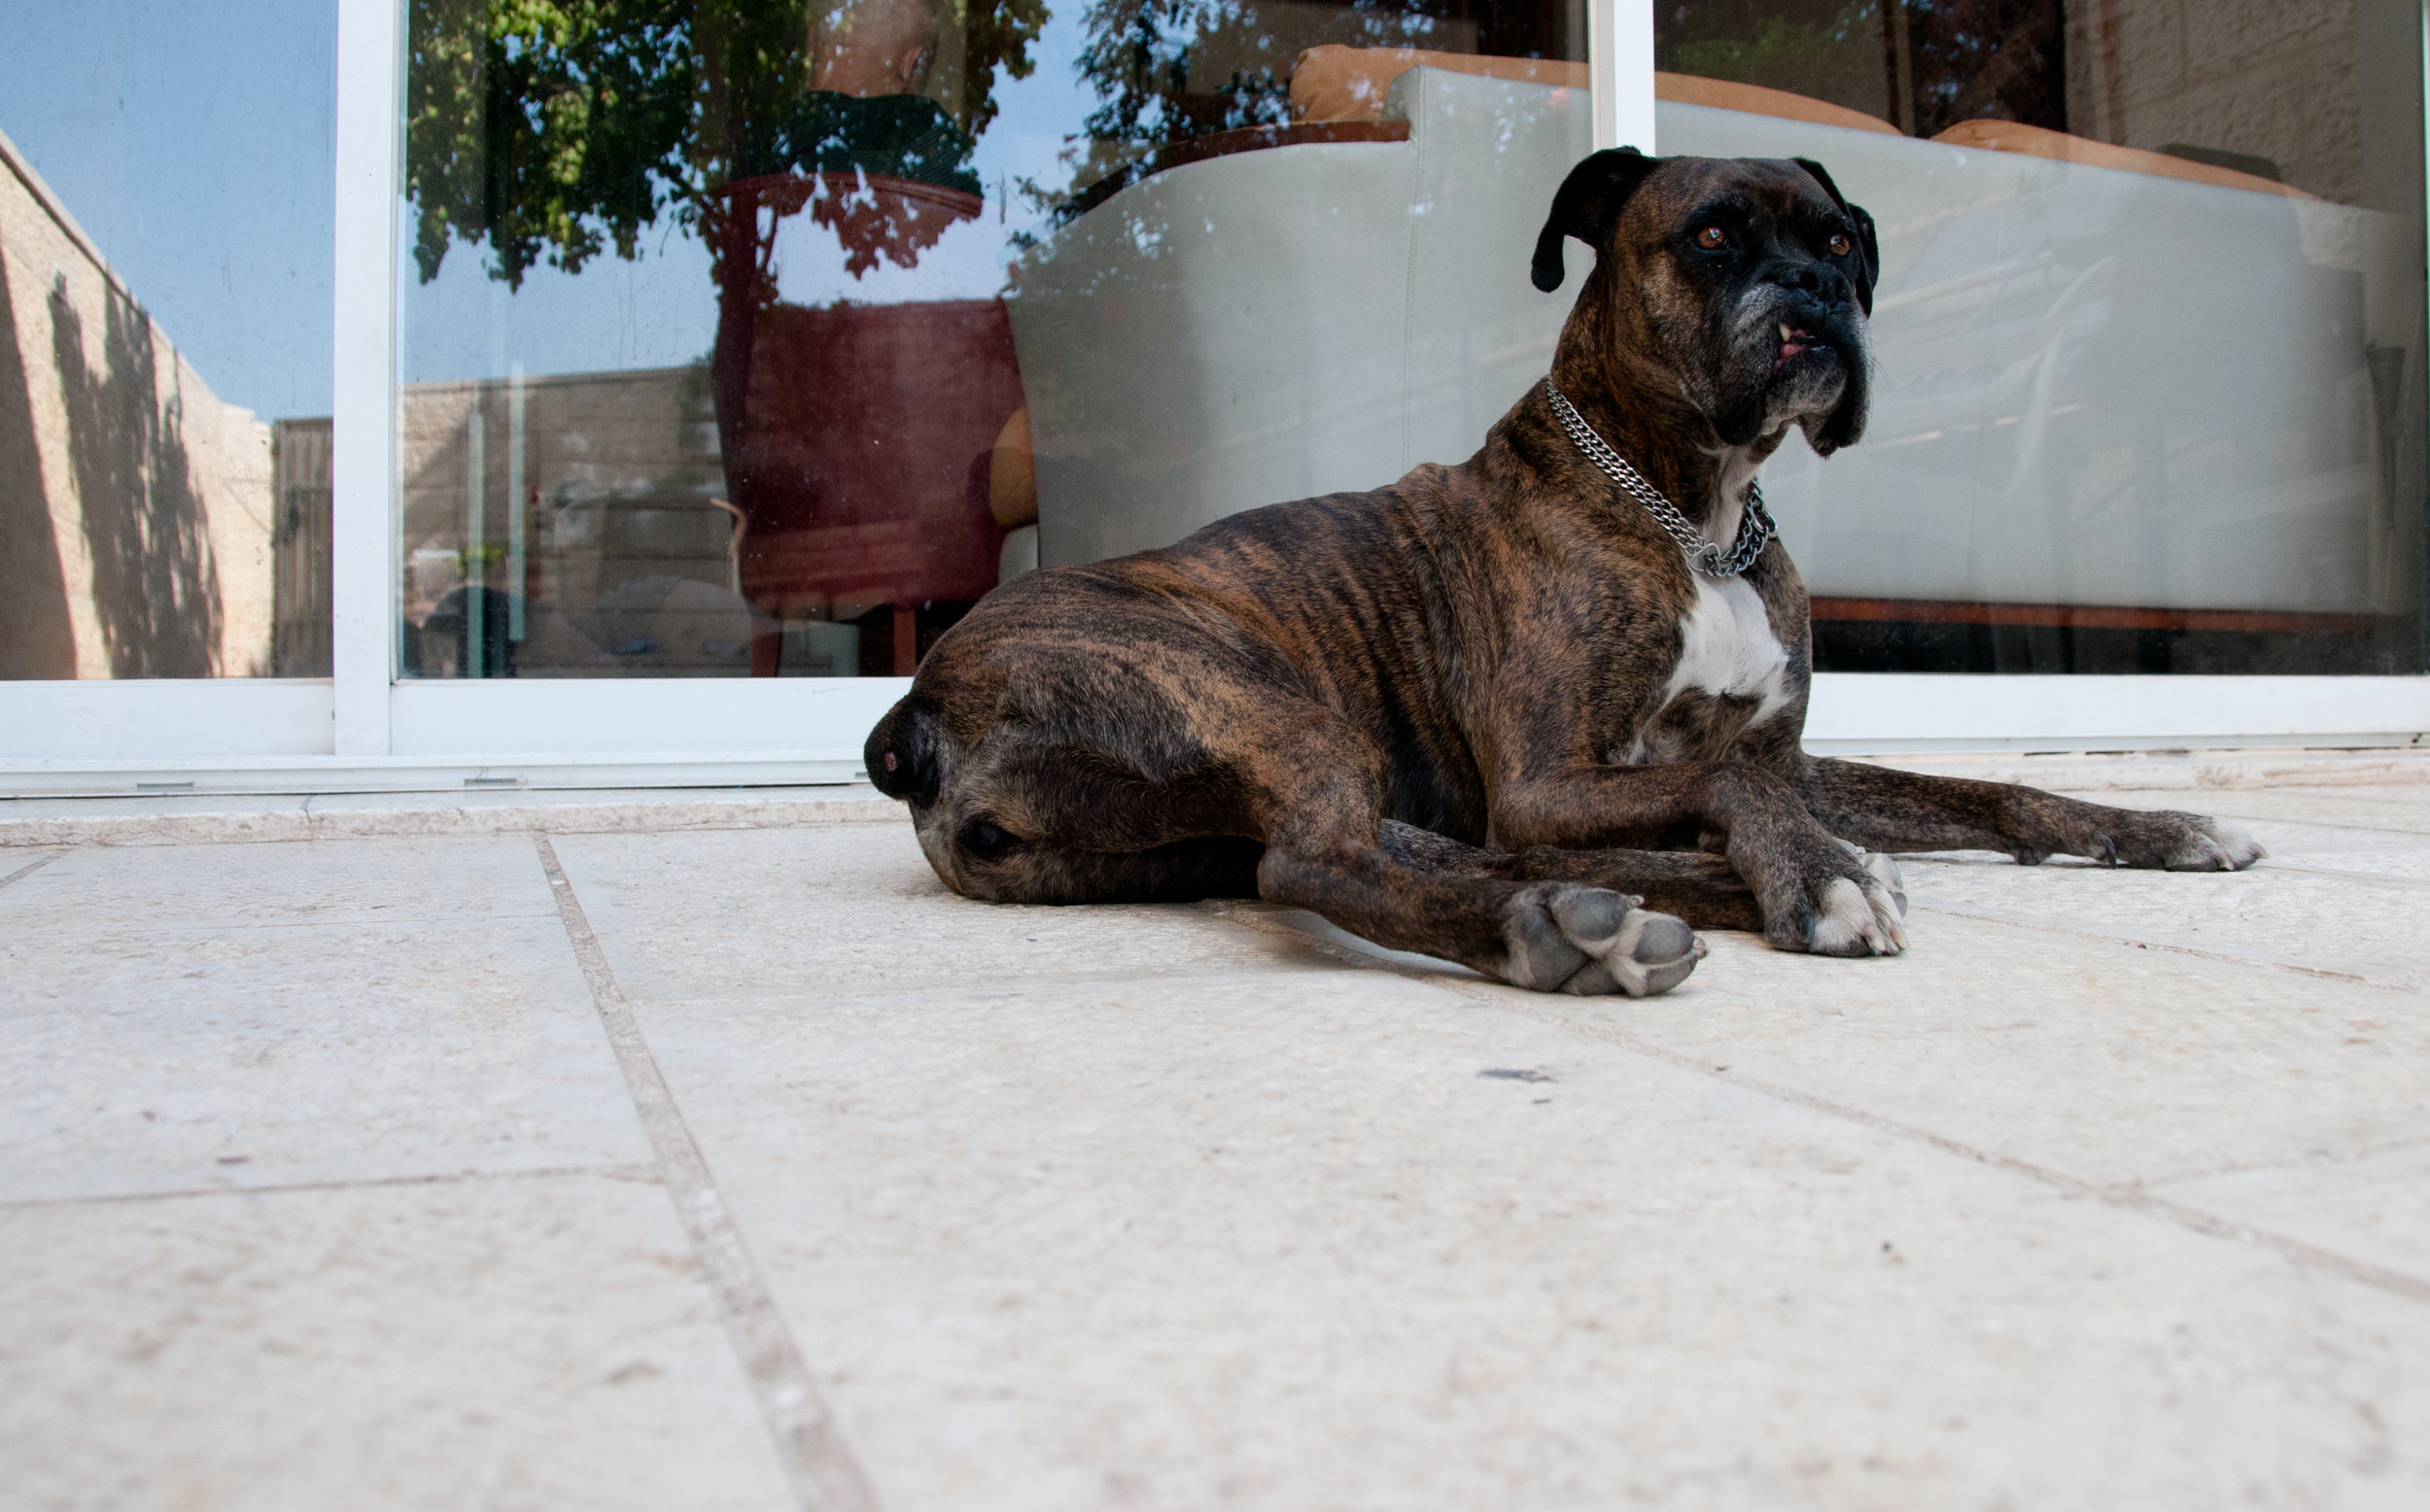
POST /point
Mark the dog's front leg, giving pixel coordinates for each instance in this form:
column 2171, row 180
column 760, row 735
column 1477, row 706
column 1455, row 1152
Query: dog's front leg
column 1814, row 895
column 1883, row 808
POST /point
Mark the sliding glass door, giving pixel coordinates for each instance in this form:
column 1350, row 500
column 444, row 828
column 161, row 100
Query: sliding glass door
column 682, row 372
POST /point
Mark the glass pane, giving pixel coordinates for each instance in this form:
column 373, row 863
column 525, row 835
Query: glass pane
column 2149, row 332
column 765, row 339
column 166, row 215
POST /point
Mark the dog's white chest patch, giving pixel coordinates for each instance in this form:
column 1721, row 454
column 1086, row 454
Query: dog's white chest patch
column 1727, row 651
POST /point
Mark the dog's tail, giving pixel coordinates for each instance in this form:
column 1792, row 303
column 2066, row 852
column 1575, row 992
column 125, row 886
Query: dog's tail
column 903, row 756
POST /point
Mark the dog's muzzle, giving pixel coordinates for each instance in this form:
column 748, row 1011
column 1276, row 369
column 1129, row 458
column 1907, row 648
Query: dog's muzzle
column 1796, row 341
column 1800, row 351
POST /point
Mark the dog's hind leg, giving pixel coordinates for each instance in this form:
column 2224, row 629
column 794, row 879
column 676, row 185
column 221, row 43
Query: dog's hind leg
column 1551, row 936
column 1704, row 890
column 1884, row 808
column 1284, row 802
column 1325, row 851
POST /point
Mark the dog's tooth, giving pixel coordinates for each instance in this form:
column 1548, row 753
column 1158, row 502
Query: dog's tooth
column 1783, row 330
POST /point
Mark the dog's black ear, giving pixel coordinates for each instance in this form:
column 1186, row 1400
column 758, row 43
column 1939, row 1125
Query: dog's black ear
column 1872, row 250
column 1588, row 202
column 1866, row 243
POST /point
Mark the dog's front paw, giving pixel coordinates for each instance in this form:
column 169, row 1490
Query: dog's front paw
column 2215, row 845
column 1833, row 899
column 1591, row 940
column 1882, row 869
column 2166, row 839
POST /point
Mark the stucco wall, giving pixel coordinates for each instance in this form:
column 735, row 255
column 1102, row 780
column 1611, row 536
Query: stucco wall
column 2275, row 79
column 135, row 508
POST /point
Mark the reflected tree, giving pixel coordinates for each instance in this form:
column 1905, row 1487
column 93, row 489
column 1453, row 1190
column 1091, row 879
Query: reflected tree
column 155, row 587
column 1924, row 65
column 559, row 130
column 37, row 629
column 1167, row 71
column 2003, row 59
column 1820, row 48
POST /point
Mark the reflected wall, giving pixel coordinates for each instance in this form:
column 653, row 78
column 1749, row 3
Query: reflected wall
column 166, row 198
column 711, row 357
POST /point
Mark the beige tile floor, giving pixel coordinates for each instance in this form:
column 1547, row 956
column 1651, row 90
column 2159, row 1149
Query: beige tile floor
column 706, row 1167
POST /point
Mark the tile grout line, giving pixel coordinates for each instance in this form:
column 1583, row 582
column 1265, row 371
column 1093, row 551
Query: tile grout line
column 2320, row 824
column 2085, row 931
column 2133, row 1197
column 2385, row 1146
column 2381, row 879
column 31, row 867
column 344, row 1184
column 824, row 1475
column 2266, row 865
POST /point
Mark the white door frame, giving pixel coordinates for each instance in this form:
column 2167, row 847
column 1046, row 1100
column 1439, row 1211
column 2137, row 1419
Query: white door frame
column 364, row 485
column 365, row 728
column 1620, row 45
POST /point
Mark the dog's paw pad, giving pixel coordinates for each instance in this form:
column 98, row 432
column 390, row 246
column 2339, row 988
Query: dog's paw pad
column 1591, row 914
column 1629, row 950
column 1592, row 941
column 1663, row 939
column 1537, row 952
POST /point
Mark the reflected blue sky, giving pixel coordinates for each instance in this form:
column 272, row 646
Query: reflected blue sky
column 195, row 145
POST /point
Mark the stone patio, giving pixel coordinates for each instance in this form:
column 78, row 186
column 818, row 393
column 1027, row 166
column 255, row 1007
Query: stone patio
column 698, row 1151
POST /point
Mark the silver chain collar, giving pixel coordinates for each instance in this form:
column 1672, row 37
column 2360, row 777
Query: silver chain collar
column 1754, row 526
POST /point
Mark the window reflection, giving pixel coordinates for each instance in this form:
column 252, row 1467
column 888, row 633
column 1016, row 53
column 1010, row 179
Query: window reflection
column 840, row 200
column 2151, row 373
column 165, row 222
column 763, row 340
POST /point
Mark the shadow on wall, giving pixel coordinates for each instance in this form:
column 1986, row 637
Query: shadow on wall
column 36, row 637
column 155, row 590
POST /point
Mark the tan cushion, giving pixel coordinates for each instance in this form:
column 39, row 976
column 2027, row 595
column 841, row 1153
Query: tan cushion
column 1756, row 100
column 1337, row 83
column 1013, row 474
column 2010, row 136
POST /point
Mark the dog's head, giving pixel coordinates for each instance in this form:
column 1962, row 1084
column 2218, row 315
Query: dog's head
column 1748, row 279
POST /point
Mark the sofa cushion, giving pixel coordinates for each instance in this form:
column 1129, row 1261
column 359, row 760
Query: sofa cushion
column 2011, row 136
column 1756, row 100
column 1337, row 83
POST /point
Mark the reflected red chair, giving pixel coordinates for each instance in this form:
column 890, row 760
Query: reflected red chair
column 860, row 469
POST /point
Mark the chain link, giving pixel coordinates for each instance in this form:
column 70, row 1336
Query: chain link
column 1755, row 525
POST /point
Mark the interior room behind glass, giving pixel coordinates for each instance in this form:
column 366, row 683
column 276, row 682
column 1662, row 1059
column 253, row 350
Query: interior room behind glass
column 768, row 312
column 2258, row 452
column 763, row 340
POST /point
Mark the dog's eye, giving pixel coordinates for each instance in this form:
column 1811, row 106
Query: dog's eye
column 1713, row 238
column 1841, row 246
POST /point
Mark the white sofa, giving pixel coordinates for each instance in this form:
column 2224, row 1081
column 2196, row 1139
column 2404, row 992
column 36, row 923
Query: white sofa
column 2095, row 386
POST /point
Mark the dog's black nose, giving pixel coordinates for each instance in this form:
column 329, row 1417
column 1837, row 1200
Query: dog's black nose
column 1818, row 280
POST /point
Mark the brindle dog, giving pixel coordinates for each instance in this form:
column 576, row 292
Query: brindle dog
column 1490, row 714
